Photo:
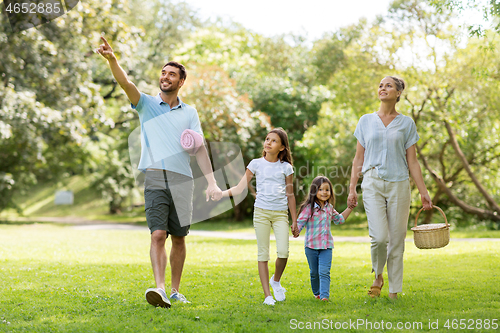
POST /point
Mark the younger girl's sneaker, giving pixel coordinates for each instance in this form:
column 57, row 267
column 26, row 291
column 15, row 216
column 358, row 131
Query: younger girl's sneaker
column 269, row 300
column 316, row 296
column 324, row 299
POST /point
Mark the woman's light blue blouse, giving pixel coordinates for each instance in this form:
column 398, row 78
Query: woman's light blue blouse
column 385, row 147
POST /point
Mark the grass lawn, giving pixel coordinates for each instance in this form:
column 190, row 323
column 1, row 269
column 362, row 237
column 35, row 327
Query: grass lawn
column 58, row 279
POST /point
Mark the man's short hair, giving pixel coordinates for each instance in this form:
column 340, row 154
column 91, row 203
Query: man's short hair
column 182, row 69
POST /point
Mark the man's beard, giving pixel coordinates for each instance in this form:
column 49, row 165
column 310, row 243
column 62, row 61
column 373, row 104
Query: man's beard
column 170, row 89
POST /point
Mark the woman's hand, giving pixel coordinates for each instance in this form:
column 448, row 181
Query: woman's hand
column 426, row 201
column 352, row 200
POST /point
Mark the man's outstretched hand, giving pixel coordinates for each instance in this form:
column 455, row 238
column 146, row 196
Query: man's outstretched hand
column 105, row 50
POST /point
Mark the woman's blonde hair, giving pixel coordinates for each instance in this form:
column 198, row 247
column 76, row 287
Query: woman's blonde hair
column 400, row 85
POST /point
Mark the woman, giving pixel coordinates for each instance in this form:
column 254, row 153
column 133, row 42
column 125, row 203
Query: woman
column 385, row 153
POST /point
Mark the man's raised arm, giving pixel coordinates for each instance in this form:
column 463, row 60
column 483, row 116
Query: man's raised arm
column 131, row 90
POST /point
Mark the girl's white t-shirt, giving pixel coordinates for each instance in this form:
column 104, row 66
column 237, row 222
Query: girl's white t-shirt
column 271, row 185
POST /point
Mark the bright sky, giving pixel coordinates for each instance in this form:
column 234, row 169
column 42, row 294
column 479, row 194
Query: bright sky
column 273, row 17
column 306, row 17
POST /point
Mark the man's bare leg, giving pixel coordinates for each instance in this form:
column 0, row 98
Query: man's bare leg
column 158, row 256
column 177, row 259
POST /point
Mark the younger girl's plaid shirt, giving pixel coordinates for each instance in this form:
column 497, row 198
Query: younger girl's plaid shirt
column 318, row 234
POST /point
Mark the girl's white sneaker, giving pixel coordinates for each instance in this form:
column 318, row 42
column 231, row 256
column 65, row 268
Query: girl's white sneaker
column 269, row 300
column 278, row 290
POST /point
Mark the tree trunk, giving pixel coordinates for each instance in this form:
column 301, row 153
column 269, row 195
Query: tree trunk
column 238, row 211
column 491, row 202
column 114, row 207
column 481, row 213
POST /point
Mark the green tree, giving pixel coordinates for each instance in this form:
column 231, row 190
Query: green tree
column 330, row 145
column 452, row 79
column 490, row 10
column 50, row 106
column 160, row 27
column 456, row 101
column 226, row 115
column 275, row 73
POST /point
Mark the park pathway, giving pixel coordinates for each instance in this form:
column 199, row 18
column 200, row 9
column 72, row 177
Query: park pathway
column 84, row 224
column 249, row 235
column 206, row 233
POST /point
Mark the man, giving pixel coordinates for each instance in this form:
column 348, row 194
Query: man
column 168, row 188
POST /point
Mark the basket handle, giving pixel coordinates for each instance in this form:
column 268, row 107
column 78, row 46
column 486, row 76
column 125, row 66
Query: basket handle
column 440, row 210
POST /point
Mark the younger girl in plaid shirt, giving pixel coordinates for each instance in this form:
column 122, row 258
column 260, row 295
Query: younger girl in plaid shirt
column 316, row 213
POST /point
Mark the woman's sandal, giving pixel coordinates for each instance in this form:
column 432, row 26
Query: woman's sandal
column 375, row 291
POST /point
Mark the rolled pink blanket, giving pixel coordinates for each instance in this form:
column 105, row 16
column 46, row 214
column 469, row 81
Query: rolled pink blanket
column 191, row 141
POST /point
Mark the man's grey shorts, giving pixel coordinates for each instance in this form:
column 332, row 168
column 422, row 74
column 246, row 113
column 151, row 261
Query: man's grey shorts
column 168, row 200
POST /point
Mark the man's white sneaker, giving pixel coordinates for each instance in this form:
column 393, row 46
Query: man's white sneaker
column 157, row 297
column 269, row 300
column 177, row 296
column 278, row 290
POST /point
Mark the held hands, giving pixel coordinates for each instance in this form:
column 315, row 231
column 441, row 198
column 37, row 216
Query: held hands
column 295, row 230
column 223, row 194
column 352, row 200
column 105, row 50
column 214, row 192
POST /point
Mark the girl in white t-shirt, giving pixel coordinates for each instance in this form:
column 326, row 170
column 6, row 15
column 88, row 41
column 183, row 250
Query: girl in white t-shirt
column 274, row 175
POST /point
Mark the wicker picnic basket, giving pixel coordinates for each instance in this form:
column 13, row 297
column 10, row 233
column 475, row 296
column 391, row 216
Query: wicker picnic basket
column 431, row 236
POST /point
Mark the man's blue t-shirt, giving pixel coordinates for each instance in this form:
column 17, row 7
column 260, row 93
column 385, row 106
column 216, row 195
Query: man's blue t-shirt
column 161, row 129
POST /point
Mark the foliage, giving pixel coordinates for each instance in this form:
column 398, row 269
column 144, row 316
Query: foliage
column 452, row 79
column 330, row 144
column 290, row 105
column 224, row 113
column 226, row 116
column 490, row 11
column 113, row 175
column 274, row 74
column 50, row 106
column 455, row 99
column 50, row 120
column 69, row 117
column 31, row 134
column 156, row 38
